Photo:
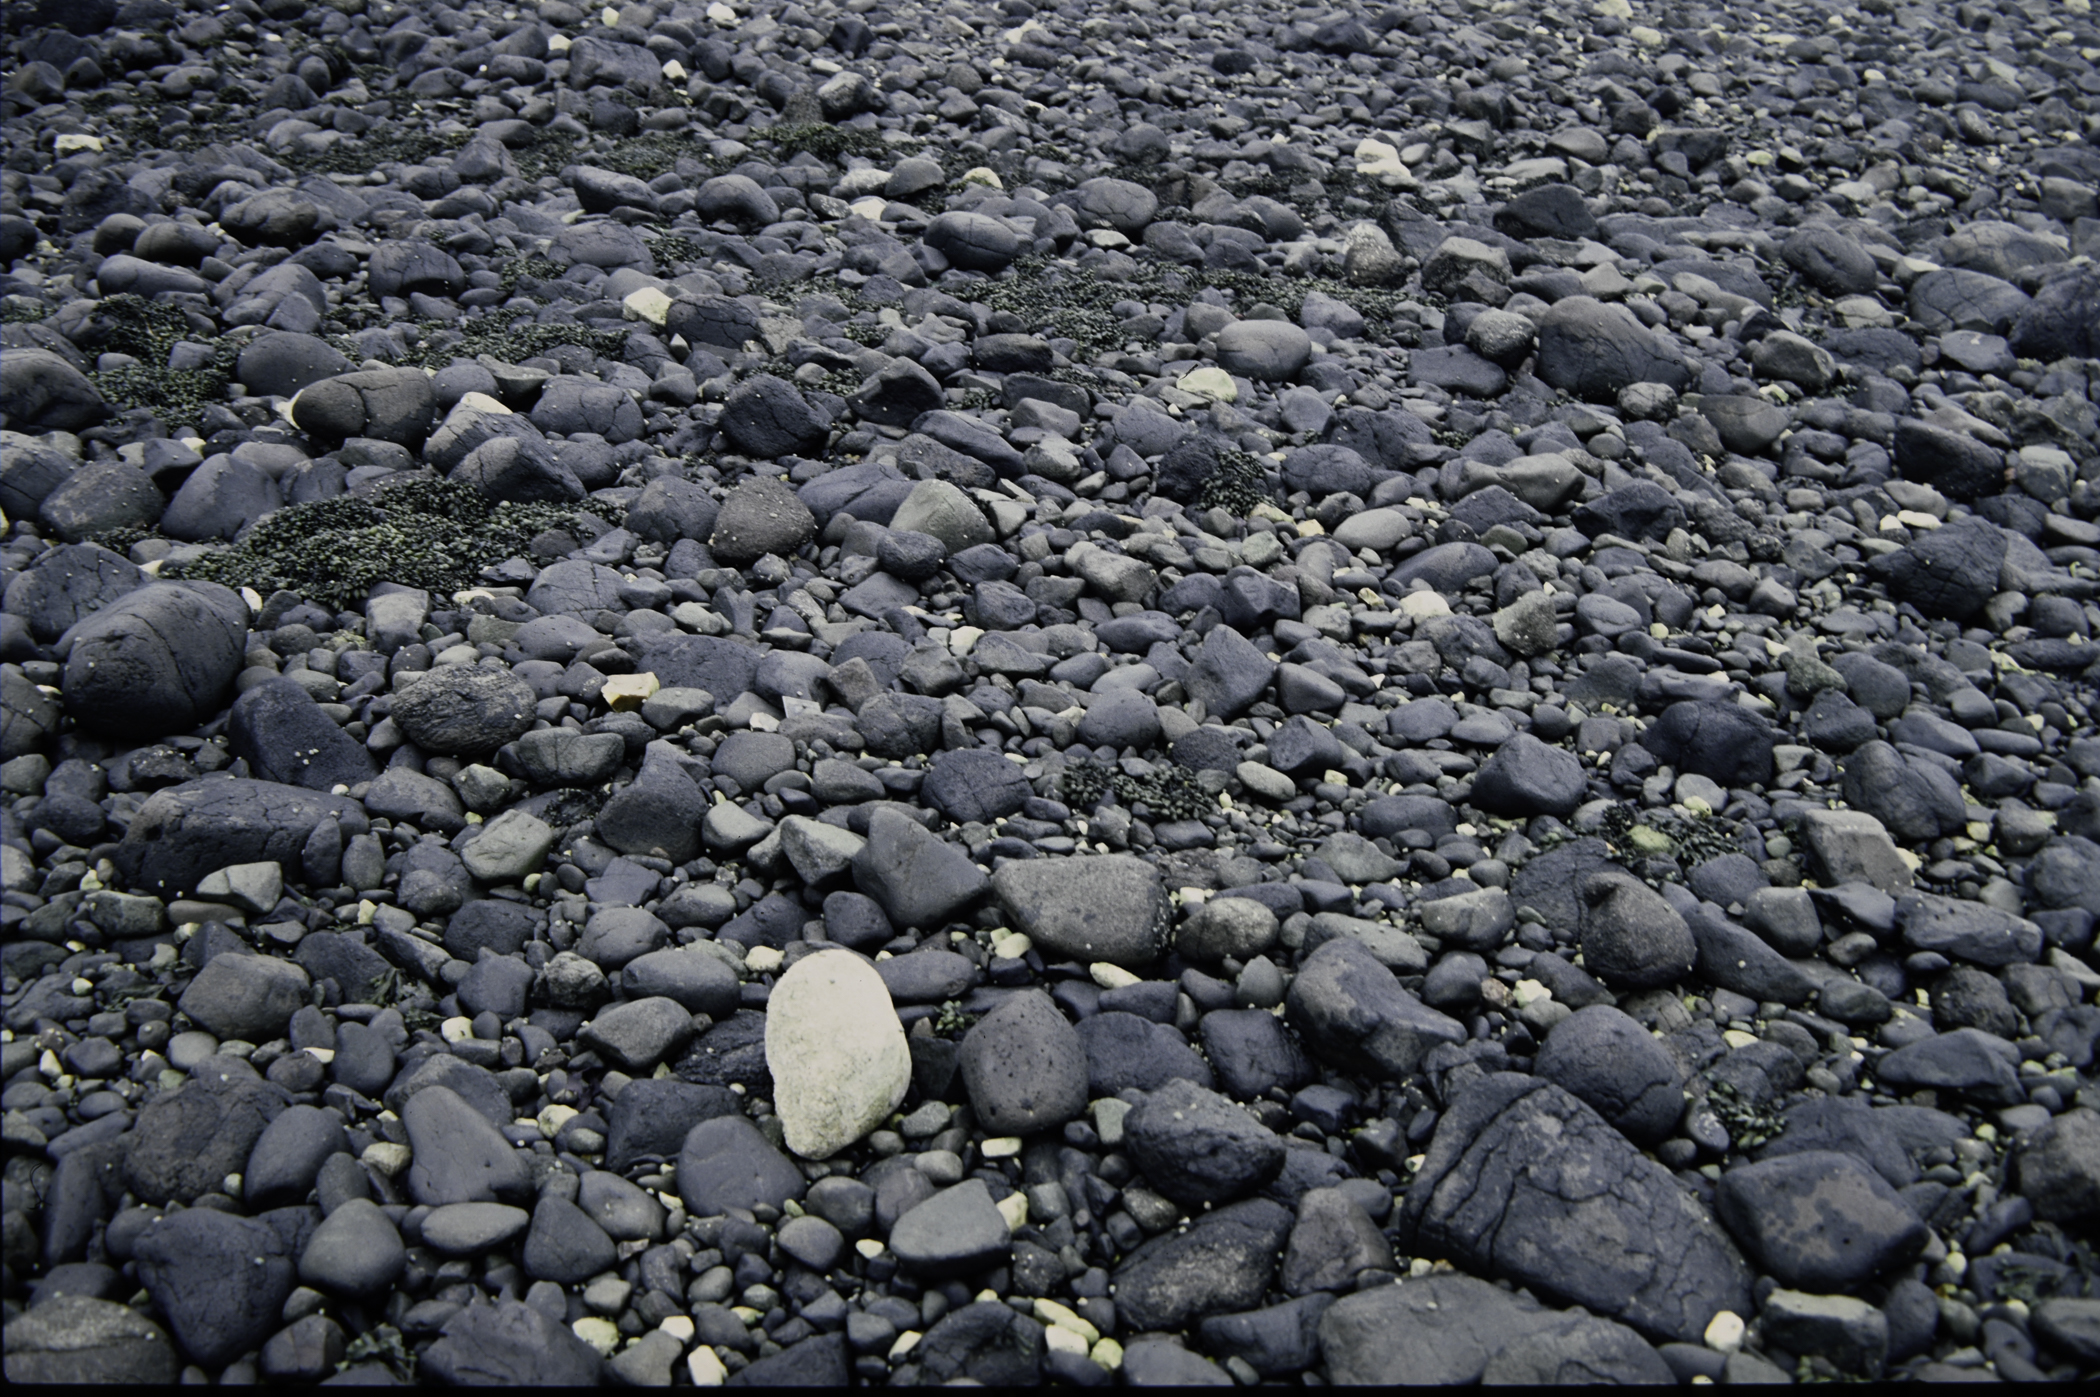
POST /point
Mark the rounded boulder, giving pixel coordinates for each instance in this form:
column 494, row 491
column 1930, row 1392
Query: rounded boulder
column 836, row 1050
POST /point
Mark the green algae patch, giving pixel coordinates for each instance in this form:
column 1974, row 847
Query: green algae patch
column 1167, row 792
column 1079, row 304
column 1237, row 486
column 503, row 334
column 148, row 331
column 383, row 145
column 433, row 534
column 825, row 141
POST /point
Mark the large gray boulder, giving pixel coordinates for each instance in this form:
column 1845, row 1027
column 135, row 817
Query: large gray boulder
column 1524, row 1182
column 186, row 831
column 157, row 660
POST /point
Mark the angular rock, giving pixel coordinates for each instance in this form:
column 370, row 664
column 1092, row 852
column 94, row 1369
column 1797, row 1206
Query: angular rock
column 956, row 1231
column 726, row 1163
column 1101, row 908
column 1223, row 1261
column 1818, row 1221
column 1198, row 1147
column 1515, row 1184
column 1354, row 1012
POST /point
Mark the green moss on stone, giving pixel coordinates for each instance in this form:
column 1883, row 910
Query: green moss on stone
column 433, row 534
column 148, row 331
column 825, row 141
column 1238, row 485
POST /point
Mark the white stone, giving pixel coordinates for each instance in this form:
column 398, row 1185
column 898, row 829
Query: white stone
column 1724, row 1332
column 647, row 303
column 1058, row 1339
column 1111, row 977
column 252, row 887
column 601, row 1334
column 1053, row 1314
column 1423, row 605
column 1210, row 382
column 836, row 1050
column 706, row 1369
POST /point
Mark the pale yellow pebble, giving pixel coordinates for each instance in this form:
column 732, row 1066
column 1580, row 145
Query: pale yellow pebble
column 625, row 692
column 600, row 1333
column 705, row 1368
column 1109, row 976
column 1724, row 1332
column 1052, row 1313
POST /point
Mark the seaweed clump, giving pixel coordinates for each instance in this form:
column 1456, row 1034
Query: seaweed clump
column 1168, row 792
column 148, row 331
column 1236, row 486
column 1664, row 834
column 1080, row 306
column 382, row 1345
column 375, row 148
column 825, row 141
column 499, row 335
column 1750, row 1126
column 432, row 534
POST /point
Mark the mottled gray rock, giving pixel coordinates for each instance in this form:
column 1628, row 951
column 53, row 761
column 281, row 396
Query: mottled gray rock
column 1513, row 1185
column 250, row 997
column 1354, row 1012
column 1023, row 1067
column 1102, row 908
column 1610, row 1062
column 1198, row 1147
column 466, row 713
column 77, row 1339
column 158, row 660
column 220, row 1280
column 1818, row 1220
column 508, row 1344
column 1439, row 1330
column 1631, row 938
column 1223, row 1261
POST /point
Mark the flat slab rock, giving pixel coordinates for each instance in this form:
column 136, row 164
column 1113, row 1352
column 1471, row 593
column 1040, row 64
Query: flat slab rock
column 1523, row 1181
